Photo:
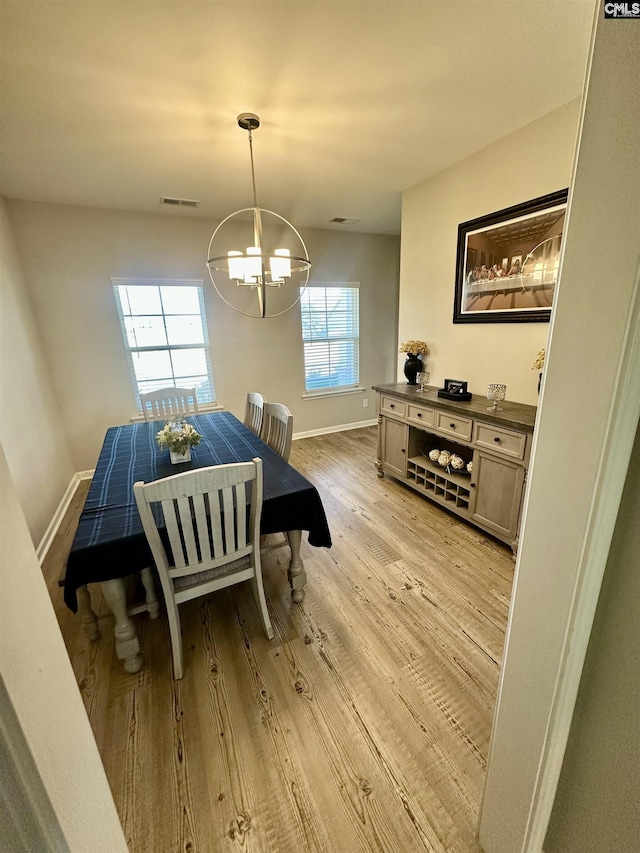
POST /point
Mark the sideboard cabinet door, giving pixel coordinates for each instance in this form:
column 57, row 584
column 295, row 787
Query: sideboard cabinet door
column 498, row 489
column 395, row 436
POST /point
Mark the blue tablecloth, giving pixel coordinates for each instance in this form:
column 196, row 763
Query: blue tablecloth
column 110, row 541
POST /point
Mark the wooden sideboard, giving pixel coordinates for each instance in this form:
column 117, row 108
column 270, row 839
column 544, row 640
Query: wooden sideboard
column 411, row 423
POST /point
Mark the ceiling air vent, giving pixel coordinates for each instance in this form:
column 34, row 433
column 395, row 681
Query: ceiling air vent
column 179, row 202
column 340, row 220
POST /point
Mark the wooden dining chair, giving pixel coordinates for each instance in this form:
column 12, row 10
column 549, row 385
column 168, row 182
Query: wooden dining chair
column 277, row 428
column 253, row 411
column 213, row 545
column 167, row 403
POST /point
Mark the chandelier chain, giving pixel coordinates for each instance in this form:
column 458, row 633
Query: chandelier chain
column 253, row 172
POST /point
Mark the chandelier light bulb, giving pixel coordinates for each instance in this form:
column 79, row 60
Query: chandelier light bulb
column 280, row 265
column 236, row 266
column 253, row 265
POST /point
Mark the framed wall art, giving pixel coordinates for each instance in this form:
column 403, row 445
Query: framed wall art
column 507, row 262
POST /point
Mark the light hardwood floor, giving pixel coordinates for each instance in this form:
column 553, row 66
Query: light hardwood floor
column 363, row 726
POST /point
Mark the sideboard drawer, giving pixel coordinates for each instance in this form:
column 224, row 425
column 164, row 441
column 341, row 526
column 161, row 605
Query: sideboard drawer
column 419, row 415
column 453, row 425
column 501, row 441
column 393, row 406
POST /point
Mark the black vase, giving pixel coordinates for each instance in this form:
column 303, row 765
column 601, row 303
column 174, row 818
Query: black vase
column 412, row 365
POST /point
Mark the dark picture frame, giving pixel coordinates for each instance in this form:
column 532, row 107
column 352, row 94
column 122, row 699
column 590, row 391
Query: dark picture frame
column 507, row 262
column 455, row 386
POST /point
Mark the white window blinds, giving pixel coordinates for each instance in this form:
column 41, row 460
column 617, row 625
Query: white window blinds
column 331, row 335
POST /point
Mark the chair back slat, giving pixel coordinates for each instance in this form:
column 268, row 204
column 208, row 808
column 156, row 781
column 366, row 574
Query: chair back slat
column 216, row 527
column 173, row 532
column 188, row 533
column 228, row 520
column 241, row 515
column 277, row 428
column 202, row 527
column 169, row 403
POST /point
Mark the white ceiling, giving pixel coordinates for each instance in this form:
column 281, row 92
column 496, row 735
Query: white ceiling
column 113, row 103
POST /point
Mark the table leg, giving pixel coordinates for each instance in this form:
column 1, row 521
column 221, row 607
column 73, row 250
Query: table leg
column 127, row 645
column 150, row 593
column 88, row 617
column 296, row 573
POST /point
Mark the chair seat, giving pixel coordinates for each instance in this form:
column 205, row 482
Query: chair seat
column 187, row 581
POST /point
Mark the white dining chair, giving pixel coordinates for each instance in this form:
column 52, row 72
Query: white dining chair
column 213, row 545
column 277, row 428
column 253, row 411
column 277, row 431
column 167, row 403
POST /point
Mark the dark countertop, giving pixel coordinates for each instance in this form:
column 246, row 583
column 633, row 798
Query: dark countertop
column 518, row 416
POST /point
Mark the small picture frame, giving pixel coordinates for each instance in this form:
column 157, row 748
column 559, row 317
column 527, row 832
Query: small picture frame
column 455, row 386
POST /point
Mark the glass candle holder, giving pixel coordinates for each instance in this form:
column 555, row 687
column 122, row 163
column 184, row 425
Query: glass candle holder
column 497, row 393
column 422, row 379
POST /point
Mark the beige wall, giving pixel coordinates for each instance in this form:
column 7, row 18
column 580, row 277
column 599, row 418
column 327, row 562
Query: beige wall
column 531, row 162
column 596, row 807
column 35, row 445
column 38, row 678
column 69, row 253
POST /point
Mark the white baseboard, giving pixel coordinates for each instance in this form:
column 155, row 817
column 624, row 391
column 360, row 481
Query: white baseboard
column 339, row 428
column 45, row 543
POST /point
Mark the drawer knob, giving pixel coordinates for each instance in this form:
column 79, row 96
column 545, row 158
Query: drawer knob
column 453, row 426
column 404, row 450
column 392, row 405
column 473, row 485
column 497, row 438
column 419, row 414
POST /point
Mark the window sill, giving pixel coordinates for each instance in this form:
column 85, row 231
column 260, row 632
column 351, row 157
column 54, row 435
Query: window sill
column 333, row 392
column 202, row 410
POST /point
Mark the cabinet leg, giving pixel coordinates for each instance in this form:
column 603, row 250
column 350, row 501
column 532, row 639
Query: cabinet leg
column 296, row 572
column 150, row 593
column 379, row 450
column 127, row 645
column 88, row 617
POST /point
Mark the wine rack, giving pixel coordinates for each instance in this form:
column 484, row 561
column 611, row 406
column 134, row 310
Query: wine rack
column 451, row 488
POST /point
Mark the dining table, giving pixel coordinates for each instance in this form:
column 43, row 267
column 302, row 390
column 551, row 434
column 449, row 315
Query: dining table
column 110, row 544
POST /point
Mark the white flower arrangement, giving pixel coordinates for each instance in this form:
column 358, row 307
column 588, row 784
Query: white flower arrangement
column 177, row 436
column 538, row 364
column 415, row 347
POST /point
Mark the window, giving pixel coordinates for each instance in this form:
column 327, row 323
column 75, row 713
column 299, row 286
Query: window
column 330, row 334
column 165, row 335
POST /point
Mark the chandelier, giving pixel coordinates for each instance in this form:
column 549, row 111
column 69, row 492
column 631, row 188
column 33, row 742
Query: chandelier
column 257, row 281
